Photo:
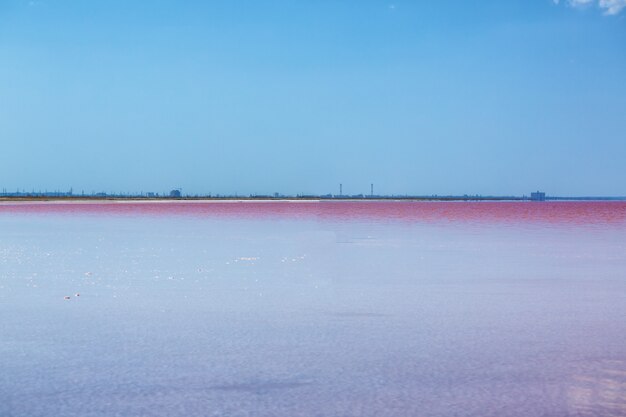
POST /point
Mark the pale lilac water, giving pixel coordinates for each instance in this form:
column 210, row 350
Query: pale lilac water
column 313, row 309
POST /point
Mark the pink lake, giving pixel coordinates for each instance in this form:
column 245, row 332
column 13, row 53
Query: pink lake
column 313, row 309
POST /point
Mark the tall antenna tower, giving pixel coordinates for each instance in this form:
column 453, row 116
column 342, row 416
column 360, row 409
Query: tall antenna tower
column 340, row 189
column 371, row 190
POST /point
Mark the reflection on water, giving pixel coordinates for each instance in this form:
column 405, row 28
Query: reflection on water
column 599, row 390
column 313, row 309
column 357, row 314
column 260, row 387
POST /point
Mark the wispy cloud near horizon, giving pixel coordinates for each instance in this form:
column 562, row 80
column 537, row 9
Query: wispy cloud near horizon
column 609, row 7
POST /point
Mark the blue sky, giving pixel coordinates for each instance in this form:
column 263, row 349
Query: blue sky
column 419, row 97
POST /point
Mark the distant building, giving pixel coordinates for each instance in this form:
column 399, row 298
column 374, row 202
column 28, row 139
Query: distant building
column 538, row 196
column 175, row 194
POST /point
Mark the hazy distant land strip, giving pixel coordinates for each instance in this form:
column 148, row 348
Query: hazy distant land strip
column 177, row 195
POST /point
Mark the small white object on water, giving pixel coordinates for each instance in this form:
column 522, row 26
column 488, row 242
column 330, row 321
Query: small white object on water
column 67, row 297
column 77, row 295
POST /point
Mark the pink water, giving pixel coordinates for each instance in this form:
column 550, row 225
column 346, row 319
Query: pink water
column 581, row 212
column 313, row 309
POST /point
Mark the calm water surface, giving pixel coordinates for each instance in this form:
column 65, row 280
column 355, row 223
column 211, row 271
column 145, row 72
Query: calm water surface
column 313, row 309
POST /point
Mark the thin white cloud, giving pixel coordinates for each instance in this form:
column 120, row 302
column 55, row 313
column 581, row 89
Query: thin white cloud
column 612, row 6
column 609, row 7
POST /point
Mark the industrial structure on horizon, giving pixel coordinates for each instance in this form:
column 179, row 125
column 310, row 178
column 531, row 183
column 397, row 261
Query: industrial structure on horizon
column 538, row 196
column 177, row 193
